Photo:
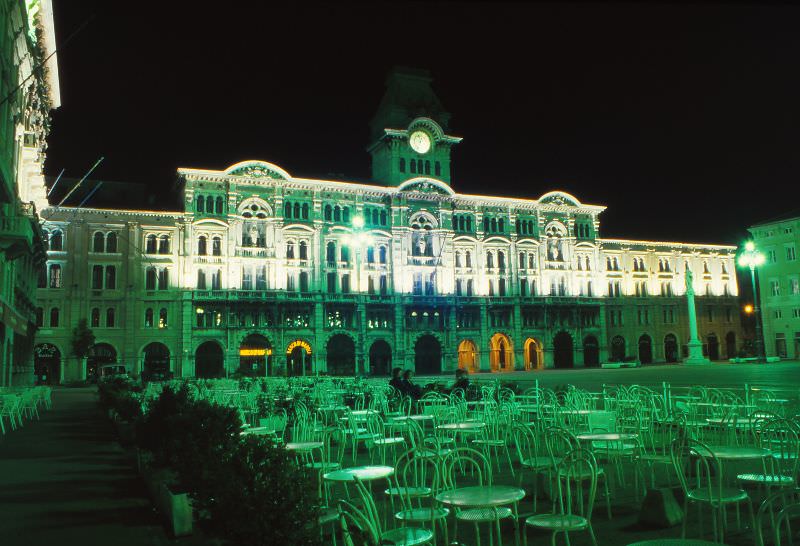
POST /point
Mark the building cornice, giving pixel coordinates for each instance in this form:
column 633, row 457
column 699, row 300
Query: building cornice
column 671, row 245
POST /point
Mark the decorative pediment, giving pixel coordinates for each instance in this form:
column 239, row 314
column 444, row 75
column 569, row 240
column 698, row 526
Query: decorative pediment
column 426, row 186
column 559, row 198
column 257, row 169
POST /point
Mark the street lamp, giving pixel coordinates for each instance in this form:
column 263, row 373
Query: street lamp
column 752, row 258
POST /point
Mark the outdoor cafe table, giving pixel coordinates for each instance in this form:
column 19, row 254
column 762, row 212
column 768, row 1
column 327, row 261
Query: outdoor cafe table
column 469, row 426
column 303, row 446
column 364, row 473
column 481, row 496
column 733, row 453
column 607, row 437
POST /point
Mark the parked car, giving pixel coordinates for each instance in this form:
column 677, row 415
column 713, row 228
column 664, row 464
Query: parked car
column 108, row 371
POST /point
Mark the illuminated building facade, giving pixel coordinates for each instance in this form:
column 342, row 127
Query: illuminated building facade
column 28, row 92
column 779, row 284
column 263, row 272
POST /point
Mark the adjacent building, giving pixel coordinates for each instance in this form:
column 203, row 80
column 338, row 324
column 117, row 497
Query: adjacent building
column 779, row 284
column 28, row 92
column 261, row 272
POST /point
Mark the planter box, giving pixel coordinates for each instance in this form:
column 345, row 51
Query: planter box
column 175, row 508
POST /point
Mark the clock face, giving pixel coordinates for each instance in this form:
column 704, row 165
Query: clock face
column 420, row 142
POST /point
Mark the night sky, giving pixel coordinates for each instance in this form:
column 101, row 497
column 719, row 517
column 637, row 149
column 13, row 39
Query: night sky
column 683, row 119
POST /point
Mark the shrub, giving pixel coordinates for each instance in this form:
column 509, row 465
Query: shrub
column 260, row 497
column 121, row 395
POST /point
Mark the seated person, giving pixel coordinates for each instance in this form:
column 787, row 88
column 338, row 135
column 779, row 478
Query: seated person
column 462, row 381
column 410, row 389
column 396, row 381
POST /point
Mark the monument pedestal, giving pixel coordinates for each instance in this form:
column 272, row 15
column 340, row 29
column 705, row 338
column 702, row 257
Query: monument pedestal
column 696, row 357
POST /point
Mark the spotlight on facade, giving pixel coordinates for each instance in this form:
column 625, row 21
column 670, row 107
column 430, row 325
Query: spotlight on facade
column 358, row 222
column 748, row 309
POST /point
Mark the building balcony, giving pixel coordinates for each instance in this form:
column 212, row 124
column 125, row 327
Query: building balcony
column 19, row 234
column 208, row 259
column 254, row 252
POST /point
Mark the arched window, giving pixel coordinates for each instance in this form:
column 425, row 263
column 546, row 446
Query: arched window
column 219, row 205
column 111, row 277
column 303, row 250
column 328, row 213
column 485, row 224
column 163, row 244
column 383, row 218
column 55, row 276
column 522, row 260
column 148, row 318
column 493, row 225
column 491, row 287
column 163, row 279
column 501, row 287
column 210, row 205
column 305, row 211
column 705, row 268
column 413, row 163
column 97, row 277
column 46, row 239
column 531, row 261
column 337, row 213
column 216, row 280
column 588, row 264
column 469, row 287
column 467, row 259
column 402, row 165
column 427, row 167
column 469, row 223
column 54, row 317
column 501, row 260
column 287, row 210
column 303, row 281
column 501, row 225
column 56, row 240
column 523, row 287
column 201, row 279
column 345, row 254
column 330, row 252
column 150, row 244
column 110, row 317
column 202, row 245
column 201, row 203
column 437, row 169
column 489, row 260
column 162, row 318
column 99, row 242
column 382, row 255
column 95, row 319
column 375, row 217
column 346, row 215
column 370, row 254
column 111, row 242
column 297, row 211
column 458, row 259
column 290, row 250
column 216, row 246
column 150, row 279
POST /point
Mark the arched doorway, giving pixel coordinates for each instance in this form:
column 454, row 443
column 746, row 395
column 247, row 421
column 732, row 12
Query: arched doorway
column 562, row 351
column 670, row 348
column 255, row 356
column 617, row 349
column 713, row 347
column 99, row 354
column 730, row 345
column 591, row 352
column 645, row 349
column 298, row 358
column 380, row 358
column 47, row 364
column 341, row 355
column 427, row 356
column 534, row 354
column 208, row 361
column 501, row 353
column 468, row 356
column 156, row 361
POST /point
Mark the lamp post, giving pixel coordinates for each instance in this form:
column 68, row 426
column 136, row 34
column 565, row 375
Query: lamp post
column 358, row 240
column 752, row 258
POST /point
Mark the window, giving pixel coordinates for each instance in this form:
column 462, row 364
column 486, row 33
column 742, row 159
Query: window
column 790, row 254
column 346, row 283
column 772, row 256
column 489, row 260
column 150, row 244
column 261, row 278
column 55, row 276
column 304, row 281
column 162, row 318
column 163, row 279
column 95, row 318
column 402, row 165
column 54, row 317
column 97, row 277
column 201, row 203
column 163, row 244
column 382, row 285
column 345, row 254
column 778, row 314
column 148, row 318
column 290, row 250
column 370, row 255
column 290, row 282
column 111, row 242
column 780, row 344
column 331, row 283
column 201, row 279
column 110, row 317
column 247, row 278
column 216, row 246
column 330, row 253
column 437, row 169
column 328, row 213
column 39, row 317
column 501, row 260
column 202, row 245
column 210, row 205
column 99, row 242
column 56, row 240
column 150, row 278
column 219, row 204
column 775, row 288
column 216, row 280
column 796, row 312
column 794, row 286
column 111, row 277
column 303, row 250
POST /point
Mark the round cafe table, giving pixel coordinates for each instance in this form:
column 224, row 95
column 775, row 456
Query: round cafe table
column 607, row 437
column 481, row 496
column 303, row 446
column 364, row 473
column 732, row 453
column 461, row 427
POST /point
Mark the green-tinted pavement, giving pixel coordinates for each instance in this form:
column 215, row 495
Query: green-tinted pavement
column 64, row 480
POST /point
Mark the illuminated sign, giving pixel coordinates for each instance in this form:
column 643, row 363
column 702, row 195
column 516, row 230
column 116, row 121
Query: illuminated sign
column 298, row 343
column 255, row 352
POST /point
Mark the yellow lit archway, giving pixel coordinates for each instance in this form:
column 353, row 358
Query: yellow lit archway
column 501, row 356
column 468, row 356
column 534, row 354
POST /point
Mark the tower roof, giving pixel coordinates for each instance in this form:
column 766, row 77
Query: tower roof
column 408, row 96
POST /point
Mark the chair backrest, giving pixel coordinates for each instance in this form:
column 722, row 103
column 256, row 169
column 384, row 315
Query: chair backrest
column 463, row 462
column 696, row 467
column 527, row 442
column 773, row 515
column 413, row 471
column 577, row 484
column 559, row 441
column 781, row 439
column 356, row 527
column 370, row 509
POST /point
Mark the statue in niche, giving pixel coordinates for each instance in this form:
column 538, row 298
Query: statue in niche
column 422, row 245
column 555, row 253
column 689, row 282
column 253, row 235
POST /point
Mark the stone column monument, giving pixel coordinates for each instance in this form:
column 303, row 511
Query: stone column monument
column 695, row 357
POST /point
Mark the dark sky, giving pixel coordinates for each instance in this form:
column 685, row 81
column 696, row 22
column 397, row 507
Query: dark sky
column 683, row 119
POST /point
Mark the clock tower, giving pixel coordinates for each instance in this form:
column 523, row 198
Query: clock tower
column 408, row 132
